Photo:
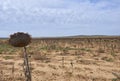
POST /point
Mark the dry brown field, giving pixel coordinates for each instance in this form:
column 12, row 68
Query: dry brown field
column 63, row 59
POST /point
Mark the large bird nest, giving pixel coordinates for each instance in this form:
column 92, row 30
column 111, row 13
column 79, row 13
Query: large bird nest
column 19, row 39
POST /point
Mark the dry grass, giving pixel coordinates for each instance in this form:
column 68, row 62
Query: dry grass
column 85, row 59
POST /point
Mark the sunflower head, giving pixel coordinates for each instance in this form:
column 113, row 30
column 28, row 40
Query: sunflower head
column 19, row 39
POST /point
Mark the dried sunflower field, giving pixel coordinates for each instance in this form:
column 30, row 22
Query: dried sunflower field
column 63, row 59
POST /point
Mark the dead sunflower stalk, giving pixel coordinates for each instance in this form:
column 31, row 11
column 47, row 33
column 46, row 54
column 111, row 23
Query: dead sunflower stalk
column 21, row 39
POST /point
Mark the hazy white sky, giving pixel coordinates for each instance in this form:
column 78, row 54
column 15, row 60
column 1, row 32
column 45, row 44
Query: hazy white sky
column 60, row 17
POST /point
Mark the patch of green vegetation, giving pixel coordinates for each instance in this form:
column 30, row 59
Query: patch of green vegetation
column 51, row 47
column 114, row 79
column 107, row 59
column 8, row 57
column 1, row 51
column 113, row 54
column 55, row 47
column 12, row 51
column 110, row 60
column 85, row 49
column 6, row 48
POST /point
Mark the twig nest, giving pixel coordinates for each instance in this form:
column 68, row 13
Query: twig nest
column 19, row 39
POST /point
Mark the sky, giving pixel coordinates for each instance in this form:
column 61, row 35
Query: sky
column 52, row 18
